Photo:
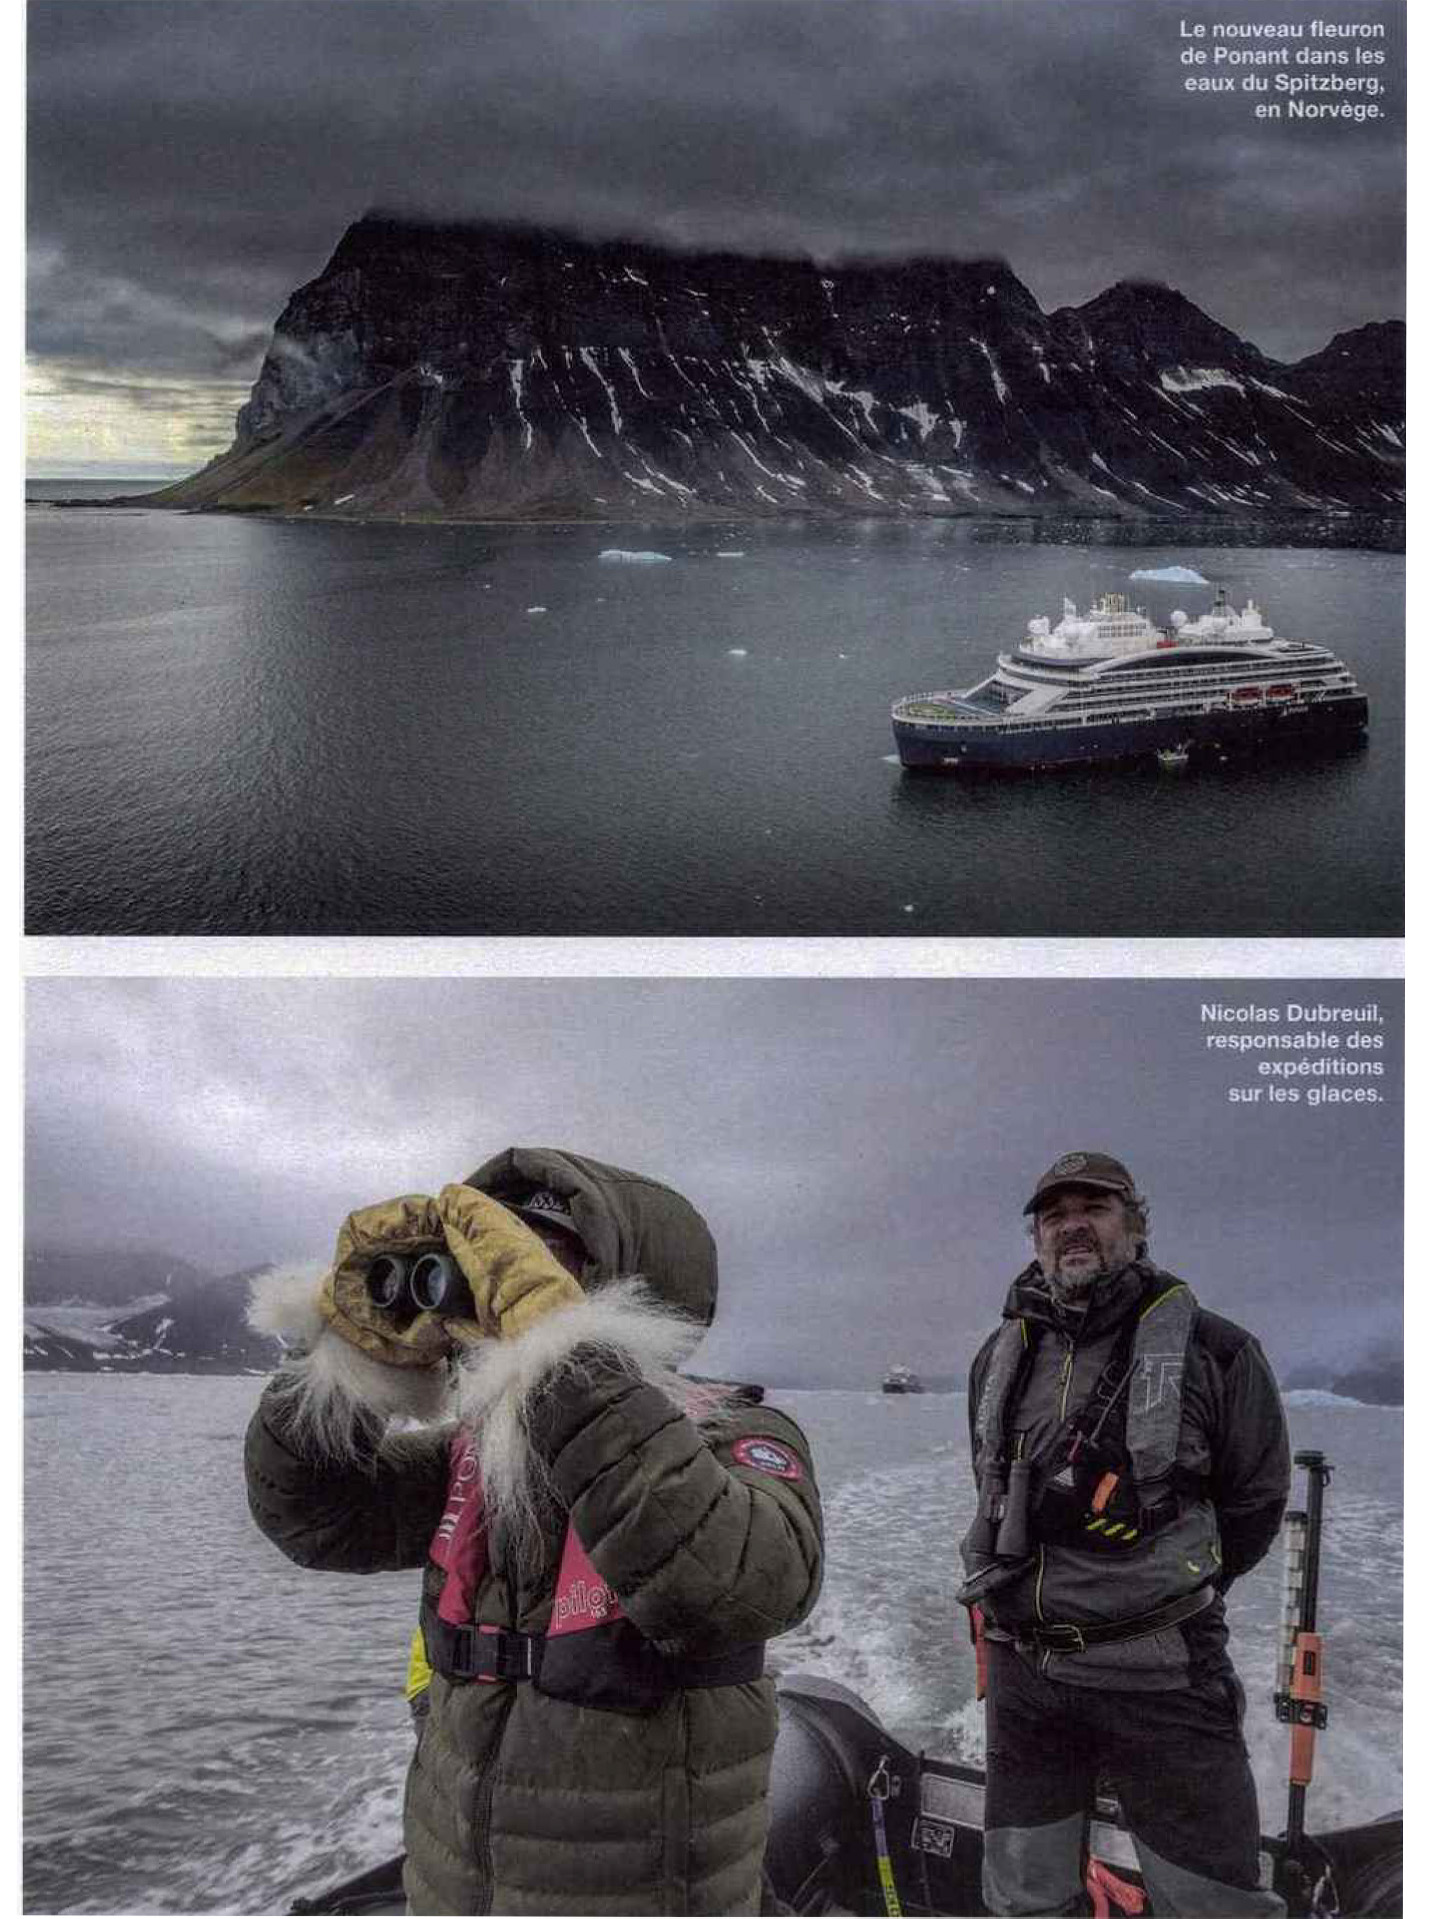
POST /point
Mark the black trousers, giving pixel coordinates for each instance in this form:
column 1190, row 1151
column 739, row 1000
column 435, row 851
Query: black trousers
column 1177, row 1761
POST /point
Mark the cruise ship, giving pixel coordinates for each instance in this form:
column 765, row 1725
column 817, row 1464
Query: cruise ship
column 1110, row 685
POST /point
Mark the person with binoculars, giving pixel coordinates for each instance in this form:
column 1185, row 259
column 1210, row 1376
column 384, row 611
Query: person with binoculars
column 606, row 1544
column 1131, row 1462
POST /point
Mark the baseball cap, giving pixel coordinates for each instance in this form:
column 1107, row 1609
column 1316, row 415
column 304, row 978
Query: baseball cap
column 546, row 1207
column 1084, row 1169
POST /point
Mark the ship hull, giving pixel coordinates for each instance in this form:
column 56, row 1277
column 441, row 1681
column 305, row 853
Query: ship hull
column 925, row 747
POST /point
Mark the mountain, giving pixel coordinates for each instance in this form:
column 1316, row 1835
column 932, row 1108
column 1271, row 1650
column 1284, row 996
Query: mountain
column 504, row 372
column 1378, row 1380
column 54, row 1276
column 194, row 1324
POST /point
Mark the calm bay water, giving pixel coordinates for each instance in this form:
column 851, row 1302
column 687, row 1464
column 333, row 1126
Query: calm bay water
column 239, row 725
column 211, row 1729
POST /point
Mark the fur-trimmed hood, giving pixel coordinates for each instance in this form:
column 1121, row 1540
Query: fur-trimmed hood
column 631, row 1225
column 650, row 1290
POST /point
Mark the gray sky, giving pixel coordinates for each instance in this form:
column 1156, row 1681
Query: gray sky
column 861, row 1149
column 193, row 161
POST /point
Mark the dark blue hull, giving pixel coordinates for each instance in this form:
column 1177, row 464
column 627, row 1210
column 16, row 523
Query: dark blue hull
column 1263, row 729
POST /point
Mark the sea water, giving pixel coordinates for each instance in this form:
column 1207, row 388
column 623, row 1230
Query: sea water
column 240, row 725
column 209, row 1728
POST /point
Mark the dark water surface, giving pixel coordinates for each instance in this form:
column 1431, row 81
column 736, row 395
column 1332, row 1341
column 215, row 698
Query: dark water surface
column 239, row 725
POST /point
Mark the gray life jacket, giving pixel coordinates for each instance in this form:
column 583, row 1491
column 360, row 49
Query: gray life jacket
column 1091, row 1488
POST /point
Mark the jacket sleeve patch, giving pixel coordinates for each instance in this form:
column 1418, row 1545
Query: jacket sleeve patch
column 767, row 1456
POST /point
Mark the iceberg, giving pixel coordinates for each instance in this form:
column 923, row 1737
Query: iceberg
column 1180, row 575
column 633, row 558
column 1320, row 1396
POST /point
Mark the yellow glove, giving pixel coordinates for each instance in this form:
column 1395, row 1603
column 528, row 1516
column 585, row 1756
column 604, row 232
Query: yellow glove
column 404, row 1227
column 513, row 1276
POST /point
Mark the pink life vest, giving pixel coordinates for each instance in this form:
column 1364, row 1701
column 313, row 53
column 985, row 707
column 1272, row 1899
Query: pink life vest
column 614, row 1667
column 460, row 1548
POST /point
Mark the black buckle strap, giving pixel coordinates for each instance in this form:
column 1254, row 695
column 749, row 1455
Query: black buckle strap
column 1068, row 1638
column 731, row 1669
column 466, row 1652
column 469, row 1653
column 1157, row 1514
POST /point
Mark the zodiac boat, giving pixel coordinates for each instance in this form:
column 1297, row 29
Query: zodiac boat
column 861, row 1824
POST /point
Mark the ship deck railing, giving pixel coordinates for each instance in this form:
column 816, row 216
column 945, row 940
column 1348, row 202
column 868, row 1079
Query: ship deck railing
column 963, row 723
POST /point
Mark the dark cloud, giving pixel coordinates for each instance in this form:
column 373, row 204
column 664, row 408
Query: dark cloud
column 192, row 161
column 862, row 1149
column 155, row 396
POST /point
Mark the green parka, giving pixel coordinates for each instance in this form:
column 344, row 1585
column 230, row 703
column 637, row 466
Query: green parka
column 701, row 1516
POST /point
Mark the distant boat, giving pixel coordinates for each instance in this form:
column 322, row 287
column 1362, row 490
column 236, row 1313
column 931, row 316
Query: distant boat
column 900, row 1379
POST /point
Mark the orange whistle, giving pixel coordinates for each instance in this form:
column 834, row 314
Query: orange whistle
column 1100, row 1499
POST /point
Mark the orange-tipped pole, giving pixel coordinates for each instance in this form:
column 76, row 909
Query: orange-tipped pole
column 1299, row 1702
column 1306, row 1683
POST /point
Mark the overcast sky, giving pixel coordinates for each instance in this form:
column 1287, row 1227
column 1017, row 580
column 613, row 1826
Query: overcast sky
column 193, row 161
column 862, row 1150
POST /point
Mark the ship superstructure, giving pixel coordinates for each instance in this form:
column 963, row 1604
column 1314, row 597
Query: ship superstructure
column 1110, row 685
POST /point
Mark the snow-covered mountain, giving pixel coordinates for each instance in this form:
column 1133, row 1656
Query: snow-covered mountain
column 502, row 372
column 183, row 1321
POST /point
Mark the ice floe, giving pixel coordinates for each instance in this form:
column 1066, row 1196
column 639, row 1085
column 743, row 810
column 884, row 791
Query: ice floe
column 630, row 557
column 1178, row 575
column 1319, row 1396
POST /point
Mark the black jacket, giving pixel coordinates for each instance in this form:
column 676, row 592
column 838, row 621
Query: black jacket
column 1232, row 1462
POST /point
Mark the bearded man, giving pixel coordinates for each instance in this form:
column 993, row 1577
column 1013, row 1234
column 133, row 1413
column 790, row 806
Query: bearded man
column 1132, row 1461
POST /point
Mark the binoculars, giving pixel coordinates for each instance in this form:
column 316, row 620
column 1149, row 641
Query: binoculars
column 421, row 1283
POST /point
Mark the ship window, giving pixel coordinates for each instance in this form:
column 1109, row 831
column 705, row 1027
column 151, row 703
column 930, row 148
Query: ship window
column 1172, row 658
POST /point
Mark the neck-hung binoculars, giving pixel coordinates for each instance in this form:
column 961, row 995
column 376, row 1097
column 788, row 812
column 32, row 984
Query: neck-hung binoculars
column 419, row 1283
